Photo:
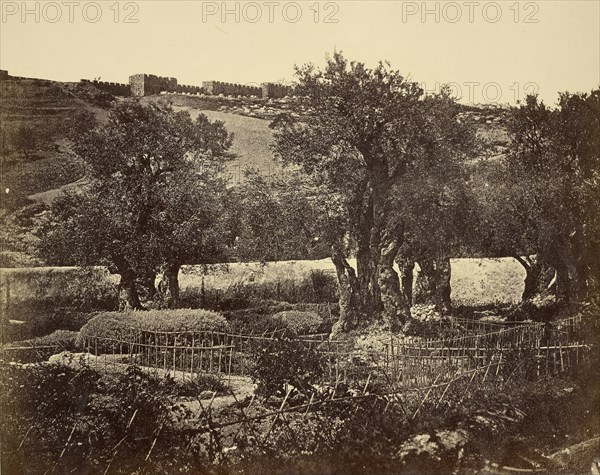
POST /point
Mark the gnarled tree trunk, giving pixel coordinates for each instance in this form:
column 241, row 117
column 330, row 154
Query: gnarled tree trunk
column 538, row 276
column 168, row 286
column 443, row 289
column 425, row 282
column 129, row 298
column 396, row 310
column 406, row 265
column 348, row 288
column 128, row 294
column 147, row 287
column 433, row 283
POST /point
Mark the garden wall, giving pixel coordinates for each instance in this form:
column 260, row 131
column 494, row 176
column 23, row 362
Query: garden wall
column 474, row 281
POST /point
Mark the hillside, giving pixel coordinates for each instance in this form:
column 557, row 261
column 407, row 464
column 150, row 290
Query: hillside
column 35, row 116
column 251, row 143
column 41, row 112
column 44, row 110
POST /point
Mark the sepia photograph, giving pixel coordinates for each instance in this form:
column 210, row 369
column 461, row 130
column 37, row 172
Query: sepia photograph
column 350, row 237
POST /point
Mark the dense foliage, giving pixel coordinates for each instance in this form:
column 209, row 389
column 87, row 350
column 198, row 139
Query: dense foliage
column 539, row 204
column 150, row 202
column 119, row 324
column 361, row 134
column 298, row 322
column 285, row 364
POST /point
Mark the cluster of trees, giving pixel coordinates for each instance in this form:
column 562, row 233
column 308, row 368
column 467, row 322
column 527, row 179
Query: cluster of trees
column 150, row 203
column 545, row 214
column 23, row 140
column 382, row 172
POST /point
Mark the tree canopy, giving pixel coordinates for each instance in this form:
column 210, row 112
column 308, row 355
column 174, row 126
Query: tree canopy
column 361, row 131
column 150, row 200
column 538, row 204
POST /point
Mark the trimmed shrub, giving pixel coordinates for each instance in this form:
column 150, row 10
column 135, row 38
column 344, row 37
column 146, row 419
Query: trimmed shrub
column 118, row 324
column 63, row 339
column 259, row 317
column 299, row 322
column 60, row 340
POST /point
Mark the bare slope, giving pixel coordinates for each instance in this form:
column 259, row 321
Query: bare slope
column 251, row 143
column 42, row 111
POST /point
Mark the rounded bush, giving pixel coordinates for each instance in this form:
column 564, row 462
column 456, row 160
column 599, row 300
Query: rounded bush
column 299, row 322
column 115, row 325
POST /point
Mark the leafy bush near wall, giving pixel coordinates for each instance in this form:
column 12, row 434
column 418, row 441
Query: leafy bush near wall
column 41, row 348
column 280, row 362
column 297, row 322
column 61, row 339
column 44, row 323
column 118, row 324
column 259, row 317
column 316, row 287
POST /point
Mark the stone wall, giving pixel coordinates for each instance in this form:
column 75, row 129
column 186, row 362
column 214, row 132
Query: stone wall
column 182, row 89
column 275, row 91
column 215, row 88
column 114, row 88
column 149, row 84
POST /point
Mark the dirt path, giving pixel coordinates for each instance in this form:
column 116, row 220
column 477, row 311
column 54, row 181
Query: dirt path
column 241, row 386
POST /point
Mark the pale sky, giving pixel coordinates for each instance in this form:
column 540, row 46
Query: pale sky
column 502, row 49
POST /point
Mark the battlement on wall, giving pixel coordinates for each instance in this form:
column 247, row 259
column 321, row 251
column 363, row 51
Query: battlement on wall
column 149, row 84
column 182, row 89
column 114, row 88
column 275, row 91
column 266, row 90
column 216, row 88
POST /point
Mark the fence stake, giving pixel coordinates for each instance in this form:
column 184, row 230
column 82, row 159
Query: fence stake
column 164, row 346
column 174, row 353
column 68, row 440
column 229, row 368
column 562, row 365
column 154, row 442
column 425, row 398
column 312, row 396
column 443, row 394
column 192, row 357
column 278, row 413
column 220, row 354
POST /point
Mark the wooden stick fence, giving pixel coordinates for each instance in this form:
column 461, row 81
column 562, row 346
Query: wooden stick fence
column 406, row 362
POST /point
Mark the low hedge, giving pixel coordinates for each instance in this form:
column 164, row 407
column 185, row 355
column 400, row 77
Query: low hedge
column 299, row 322
column 42, row 347
column 117, row 324
column 260, row 317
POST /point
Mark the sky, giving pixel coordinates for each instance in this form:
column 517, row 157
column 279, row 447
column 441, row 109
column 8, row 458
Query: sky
column 490, row 52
